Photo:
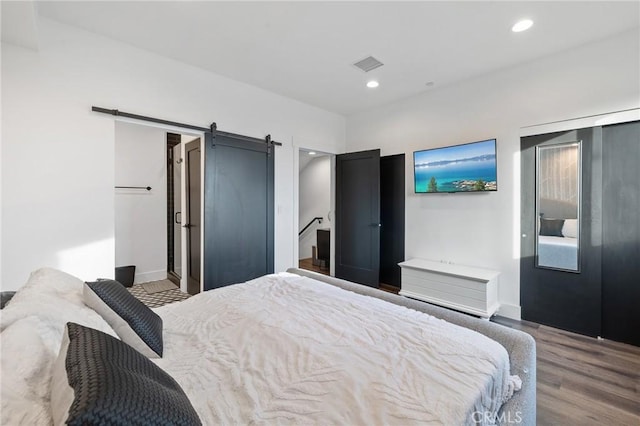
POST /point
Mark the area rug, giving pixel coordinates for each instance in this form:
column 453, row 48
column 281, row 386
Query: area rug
column 158, row 286
column 157, row 299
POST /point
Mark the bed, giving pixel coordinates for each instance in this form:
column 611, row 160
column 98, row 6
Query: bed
column 558, row 243
column 558, row 230
column 290, row 348
column 558, row 252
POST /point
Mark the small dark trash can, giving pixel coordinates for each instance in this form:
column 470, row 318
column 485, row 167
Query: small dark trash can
column 125, row 275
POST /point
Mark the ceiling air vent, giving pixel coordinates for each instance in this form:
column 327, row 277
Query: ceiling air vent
column 369, row 63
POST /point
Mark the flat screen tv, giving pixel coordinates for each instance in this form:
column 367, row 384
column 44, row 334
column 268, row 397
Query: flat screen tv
column 470, row 167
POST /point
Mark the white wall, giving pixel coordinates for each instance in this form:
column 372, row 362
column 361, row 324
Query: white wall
column 483, row 229
column 315, row 200
column 58, row 156
column 140, row 215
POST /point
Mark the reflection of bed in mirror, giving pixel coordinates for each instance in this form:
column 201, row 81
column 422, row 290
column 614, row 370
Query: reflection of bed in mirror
column 558, row 234
column 558, row 252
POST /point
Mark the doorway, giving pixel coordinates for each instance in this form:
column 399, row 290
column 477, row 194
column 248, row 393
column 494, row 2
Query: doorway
column 314, row 213
column 378, row 183
column 184, row 205
column 149, row 204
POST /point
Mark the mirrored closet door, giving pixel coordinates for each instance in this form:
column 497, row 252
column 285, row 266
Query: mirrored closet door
column 580, row 232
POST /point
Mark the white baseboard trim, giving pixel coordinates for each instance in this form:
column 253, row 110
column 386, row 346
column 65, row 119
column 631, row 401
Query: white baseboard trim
column 509, row 311
column 145, row 277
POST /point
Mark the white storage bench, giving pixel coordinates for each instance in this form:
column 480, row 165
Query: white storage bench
column 463, row 288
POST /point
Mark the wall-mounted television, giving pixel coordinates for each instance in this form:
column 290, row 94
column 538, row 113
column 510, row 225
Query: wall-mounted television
column 470, row 167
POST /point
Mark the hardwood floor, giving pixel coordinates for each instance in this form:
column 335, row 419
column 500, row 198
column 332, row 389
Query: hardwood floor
column 389, row 288
column 583, row 380
column 309, row 266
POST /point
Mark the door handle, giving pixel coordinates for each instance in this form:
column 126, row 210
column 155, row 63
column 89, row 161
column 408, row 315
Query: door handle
column 187, row 225
column 379, row 225
column 175, row 217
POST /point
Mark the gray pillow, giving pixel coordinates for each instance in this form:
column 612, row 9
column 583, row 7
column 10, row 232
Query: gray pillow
column 551, row 227
column 98, row 379
column 131, row 319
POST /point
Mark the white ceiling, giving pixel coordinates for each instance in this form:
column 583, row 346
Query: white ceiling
column 304, row 50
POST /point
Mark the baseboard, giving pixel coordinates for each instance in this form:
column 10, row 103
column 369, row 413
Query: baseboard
column 509, row 311
column 145, row 277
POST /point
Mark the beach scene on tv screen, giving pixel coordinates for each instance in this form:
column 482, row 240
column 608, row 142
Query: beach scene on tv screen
column 460, row 168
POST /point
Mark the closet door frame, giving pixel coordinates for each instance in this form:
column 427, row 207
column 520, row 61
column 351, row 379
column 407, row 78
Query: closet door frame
column 594, row 157
column 564, row 299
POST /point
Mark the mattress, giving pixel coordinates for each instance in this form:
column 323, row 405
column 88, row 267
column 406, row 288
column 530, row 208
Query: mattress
column 281, row 349
column 290, row 349
column 558, row 252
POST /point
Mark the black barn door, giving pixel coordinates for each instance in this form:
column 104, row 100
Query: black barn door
column 238, row 210
column 358, row 217
column 621, row 233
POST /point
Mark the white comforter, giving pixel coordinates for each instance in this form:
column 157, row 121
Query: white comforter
column 288, row 349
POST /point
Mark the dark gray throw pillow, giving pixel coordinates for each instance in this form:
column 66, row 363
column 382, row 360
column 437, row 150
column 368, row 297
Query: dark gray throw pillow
column 100, row 380
column 131, row 319
column 551, row 227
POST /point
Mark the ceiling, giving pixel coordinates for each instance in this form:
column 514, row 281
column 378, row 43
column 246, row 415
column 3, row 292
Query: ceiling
column 305, row 50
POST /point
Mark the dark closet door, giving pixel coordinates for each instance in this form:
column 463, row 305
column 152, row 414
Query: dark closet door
column 392, row 193
column 621, row 233
column 566, row 300
column 238, row 208
column 192, row 216
column 358, row 217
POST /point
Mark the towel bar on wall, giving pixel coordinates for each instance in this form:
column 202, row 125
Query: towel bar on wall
column 148, row 188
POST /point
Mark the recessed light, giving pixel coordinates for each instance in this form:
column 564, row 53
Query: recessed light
column 523, row 25
column 372, row 84
column 312, row 153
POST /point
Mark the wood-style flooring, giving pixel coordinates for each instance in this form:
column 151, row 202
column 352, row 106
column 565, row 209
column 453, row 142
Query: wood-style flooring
column 389, row 288
column 583, row 380
column 309, row 266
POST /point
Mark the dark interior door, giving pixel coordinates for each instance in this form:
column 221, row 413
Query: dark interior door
column 566, row 300
column 621, row 233
column 238, row 221
column 358, row 217
column 193, row 225
column 174, row 197
column 392, row 194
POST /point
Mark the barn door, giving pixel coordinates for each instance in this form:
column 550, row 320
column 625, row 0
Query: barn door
column 238, row 209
